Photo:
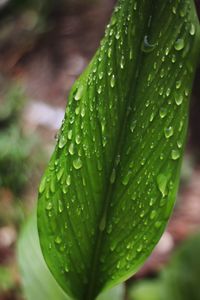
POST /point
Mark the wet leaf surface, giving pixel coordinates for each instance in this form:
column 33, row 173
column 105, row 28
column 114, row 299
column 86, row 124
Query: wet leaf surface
column 111, row 183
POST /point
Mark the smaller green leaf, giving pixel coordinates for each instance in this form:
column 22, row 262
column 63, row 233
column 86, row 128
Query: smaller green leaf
column 146, row 290
column 116, row 293
column 37, row 281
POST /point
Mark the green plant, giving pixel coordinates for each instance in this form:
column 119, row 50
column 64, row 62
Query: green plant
column 111, row 183
column 37, row 281
column 179, row 280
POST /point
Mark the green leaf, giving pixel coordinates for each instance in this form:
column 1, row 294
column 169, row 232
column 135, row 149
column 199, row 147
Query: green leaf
column 37, row 281
column 116, row 293
column 147, row 290
column 112, row 180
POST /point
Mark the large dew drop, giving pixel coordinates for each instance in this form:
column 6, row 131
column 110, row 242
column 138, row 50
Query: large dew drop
column 179, row 44
column 162, row 184
column 175, row 154
column 146, row 46
column 178, row 99
column 77, row 163
column 79, row 93
column 169, row 131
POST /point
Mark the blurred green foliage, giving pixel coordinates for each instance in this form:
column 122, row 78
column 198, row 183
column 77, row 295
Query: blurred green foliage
column 11, row 102
column 180, row 280
column 6, row 279
column 146, row 290
column 15, row 147
column 15, row 150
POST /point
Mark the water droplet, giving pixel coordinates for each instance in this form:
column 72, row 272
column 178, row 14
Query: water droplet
column 163, row 112
column 99, row 90
column 42, row 185
column 71, row 149
column 78, row 139
column 178, row 99
column 69, row 135
column 109, row 52
column 152, row 116
column 179, row 144
column 118, row 265
column 100, row 75
column 179, row 44
column 169, row 131
column 153, row 214
column 158, row 224
column 60, row 173
column 175, row 154
column 142, row 214
column 79, row 93
column 187, row 92
column 167, row 51
column 139, row 248
column 53, row 184
column 134, row 196
column 182, row 12
column 112, row 81
column 168, row 92
column 181, row 126
column 173, row 58
column 126, row 179
column 178, row 84
column 77, row 110
column 192, row 29
column 162, row 184
column 58, row 240
column 68, row 180
column 162, row 74
column 102, row 224
column 77, row 163
column 152, row 201
column 83, row 112
column 133, row 125
column 122, row 62
column 117, row 35
column 49, row 206
column 146, row 46
column 131, row 54
column 99, row 165
column 66, row 269
column 142, row 161
column 62, row 141
column 113, row 176
column 174, row 10
column 60, row 206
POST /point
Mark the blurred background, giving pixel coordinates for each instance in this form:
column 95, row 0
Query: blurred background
column 44, row 46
